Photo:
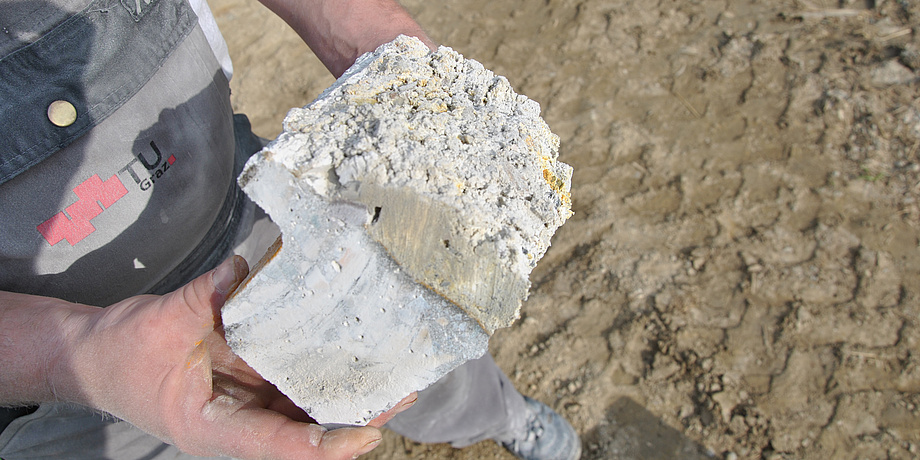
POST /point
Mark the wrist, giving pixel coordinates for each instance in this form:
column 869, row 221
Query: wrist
column 389, row 21
column 66, row 375
column 38, row 335
column 339, row 31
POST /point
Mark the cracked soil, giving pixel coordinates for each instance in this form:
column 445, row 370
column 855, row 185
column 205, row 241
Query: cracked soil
column 741, row 278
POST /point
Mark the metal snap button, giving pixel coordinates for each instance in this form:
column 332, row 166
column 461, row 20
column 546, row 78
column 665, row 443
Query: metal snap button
column 62, row 113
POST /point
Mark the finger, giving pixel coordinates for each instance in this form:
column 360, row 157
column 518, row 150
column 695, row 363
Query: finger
column 400, row 407
column 260, row 433
column 227, row 276
column 205, row 295
column 346, row 440
column 232, row 370
column 283, row 405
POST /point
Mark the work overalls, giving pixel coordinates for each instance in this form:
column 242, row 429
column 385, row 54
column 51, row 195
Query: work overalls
column 118, row 157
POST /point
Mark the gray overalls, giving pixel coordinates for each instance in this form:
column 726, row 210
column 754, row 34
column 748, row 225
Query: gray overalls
column 118, row 153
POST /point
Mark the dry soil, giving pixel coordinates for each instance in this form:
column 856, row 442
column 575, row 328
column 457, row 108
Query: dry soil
column 740, row 278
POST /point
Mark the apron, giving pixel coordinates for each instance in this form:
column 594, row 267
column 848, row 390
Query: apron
column 118, row 150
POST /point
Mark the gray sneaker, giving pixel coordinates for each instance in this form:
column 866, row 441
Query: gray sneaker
column 545, row 436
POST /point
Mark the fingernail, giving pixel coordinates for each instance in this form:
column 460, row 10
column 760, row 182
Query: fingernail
column 224, row 276
column 406, row 405
column 368, row 447
column 316, row 435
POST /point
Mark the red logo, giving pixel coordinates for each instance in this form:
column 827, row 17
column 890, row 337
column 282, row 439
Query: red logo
column 95, row 195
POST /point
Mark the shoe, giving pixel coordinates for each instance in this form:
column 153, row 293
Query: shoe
column 544, row 436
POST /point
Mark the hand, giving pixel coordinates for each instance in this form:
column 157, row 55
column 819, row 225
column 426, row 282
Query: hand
column 161, row 363
column 339, row 31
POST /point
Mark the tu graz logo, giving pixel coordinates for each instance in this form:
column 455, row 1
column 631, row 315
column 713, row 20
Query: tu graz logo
column 95, row 195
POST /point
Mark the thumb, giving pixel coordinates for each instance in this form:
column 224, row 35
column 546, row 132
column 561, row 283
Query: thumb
column 206, row 294
column 228, row 275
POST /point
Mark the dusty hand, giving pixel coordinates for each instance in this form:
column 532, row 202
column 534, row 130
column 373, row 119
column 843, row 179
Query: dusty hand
column 161, row 363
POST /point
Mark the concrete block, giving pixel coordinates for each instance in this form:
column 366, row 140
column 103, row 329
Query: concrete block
column 414, row 197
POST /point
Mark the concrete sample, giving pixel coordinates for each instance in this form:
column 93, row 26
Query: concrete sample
column 414, row 197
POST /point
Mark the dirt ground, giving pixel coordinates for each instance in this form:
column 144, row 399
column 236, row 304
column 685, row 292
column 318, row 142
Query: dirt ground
column 741, row 278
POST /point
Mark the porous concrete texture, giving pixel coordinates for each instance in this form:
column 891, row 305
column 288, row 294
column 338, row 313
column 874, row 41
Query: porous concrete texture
column 459, row 171
column 414, row 197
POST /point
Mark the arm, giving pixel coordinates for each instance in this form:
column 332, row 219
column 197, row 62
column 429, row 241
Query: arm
column 161, row 363
column 339, row 31
column 33, row 333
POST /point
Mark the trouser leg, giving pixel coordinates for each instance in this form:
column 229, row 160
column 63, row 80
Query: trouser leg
column 471, row 404
column 64, row 431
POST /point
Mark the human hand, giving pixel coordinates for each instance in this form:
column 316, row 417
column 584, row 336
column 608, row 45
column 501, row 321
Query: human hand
column 339, row 31
column 161, row 363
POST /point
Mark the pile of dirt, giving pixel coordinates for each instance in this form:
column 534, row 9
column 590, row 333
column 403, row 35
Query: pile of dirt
column 741, row 277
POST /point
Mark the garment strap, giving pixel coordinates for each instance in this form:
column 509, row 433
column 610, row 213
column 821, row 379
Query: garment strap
column 88, row 62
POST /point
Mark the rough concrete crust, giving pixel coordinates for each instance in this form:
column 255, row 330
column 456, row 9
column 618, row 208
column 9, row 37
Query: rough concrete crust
column 414, row 198
column 474, row 155
column 331, row 320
